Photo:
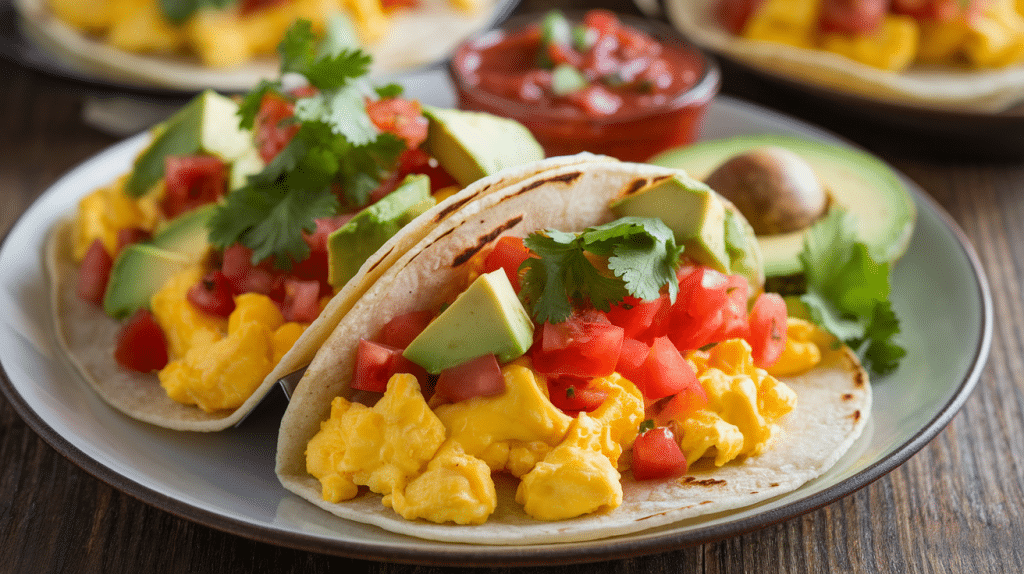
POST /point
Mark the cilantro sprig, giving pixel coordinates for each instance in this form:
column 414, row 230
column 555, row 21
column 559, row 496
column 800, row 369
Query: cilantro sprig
column 847, row 292
column 641, row 255
column 336, row 148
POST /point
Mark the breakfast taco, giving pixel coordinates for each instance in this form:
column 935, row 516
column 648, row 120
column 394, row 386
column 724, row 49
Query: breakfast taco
column 583, row 354
column 229, row 45
column 244, row 231
column 937, row 54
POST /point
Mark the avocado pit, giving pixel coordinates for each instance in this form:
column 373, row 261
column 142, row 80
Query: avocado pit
column 774, row 188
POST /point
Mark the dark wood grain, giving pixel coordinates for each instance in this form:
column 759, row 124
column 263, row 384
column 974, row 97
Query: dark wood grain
column 956, row 506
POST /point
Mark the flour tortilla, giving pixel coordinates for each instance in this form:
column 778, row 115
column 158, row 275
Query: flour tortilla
column 88, row 335
column 833, row 404
column 949, row 89
column 414, row 38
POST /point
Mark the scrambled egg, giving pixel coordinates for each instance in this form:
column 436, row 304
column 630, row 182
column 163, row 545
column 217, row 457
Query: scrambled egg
column 218, row 363
column 103, row 212
column 220, row 38
column 991, row 38
column 567, row 466
column 744, row 405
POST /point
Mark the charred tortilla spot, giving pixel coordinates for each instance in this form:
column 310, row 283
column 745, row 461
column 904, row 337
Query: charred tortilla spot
column 444, row 213
column 381, row 258
column 858, row 379
column 753, row 492
column 856, row 415
column 564, row 178
column 706, row 502
column 847, row 396
column 774, row 485
column 641, row 183
column 704, row 482
column 485, row 239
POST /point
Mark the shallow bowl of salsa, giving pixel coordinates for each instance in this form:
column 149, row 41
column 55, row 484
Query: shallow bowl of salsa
column 592, row 81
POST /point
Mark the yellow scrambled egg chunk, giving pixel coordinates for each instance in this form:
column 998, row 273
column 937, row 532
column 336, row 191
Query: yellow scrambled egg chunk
column 802, row 350
column 893, row 47
column 105, row 211
column 575, row 478
column 790, row 22
column 456, row 487
column 382, row 447
column 209, row 368
column 744, row 405
column 622, row 411
column 511, row 431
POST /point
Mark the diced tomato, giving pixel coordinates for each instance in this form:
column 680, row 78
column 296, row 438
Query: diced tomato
column 852, row 16
column 683, row 404
column 734, row 14
column 656, row 454
column 508, row 254
column 734, row 311
column 572, row 395
column 637, row 316
column 941, row 10
column 129, row 235
column 697, row 313
column 767, row 335
column 94, row 273
column 274, row 126
column 596, row 100
column 244, row 276
column 401, row 330
column 604, row 22
column 301, row 302
column 663, row 372
column 418, row 161
column 191, row 181
column 631, row 358
column 376, row 363
column 584, row 345
column 479, row 377
column 401, row 117
column 213, row 294
column 141, row 345
column 562, row 54
column 316, row 265
column 394, row 4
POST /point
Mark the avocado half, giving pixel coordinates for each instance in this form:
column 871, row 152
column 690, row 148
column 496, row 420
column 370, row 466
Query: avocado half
column 866, row 187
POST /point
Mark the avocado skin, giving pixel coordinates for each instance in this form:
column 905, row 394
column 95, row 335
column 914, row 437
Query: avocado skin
column 865, row 186
column 472, row 145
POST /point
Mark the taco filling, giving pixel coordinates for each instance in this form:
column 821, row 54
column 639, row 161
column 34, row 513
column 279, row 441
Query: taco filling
column 580, row 366
column 239, row 224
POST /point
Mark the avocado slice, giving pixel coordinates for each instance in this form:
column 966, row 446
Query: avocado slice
column 209, row 124
column 141, row 269
column 351, row 244
column 882, row 205
column 485, row 318
column 471, row 145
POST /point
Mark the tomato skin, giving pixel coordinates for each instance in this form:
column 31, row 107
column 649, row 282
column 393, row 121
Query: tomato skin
column 141, row 345
column 376, row 363
column 191, row 181
column 419, row 161
column 401, row 117
column 401, row 330
column 852, row 16
column 584, row 345
column 663, row 372
column 735, row 324
column 244, row 276
column 130, row 235
column 94, row 273
column 656, row 454
column 941, row 10
column 301, row 301
column 683, row 404
column 272, row 129
column 479, row 377
column 696, row 315
column 640, row 316
column 767, row 335
column 508, row 254
column 213, row 294
column 572, row 395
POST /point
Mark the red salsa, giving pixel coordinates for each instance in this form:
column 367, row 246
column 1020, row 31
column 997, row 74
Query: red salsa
column 597, row 85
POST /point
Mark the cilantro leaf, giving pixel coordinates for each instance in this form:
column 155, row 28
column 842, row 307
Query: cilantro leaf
column 177, row 11
column 641, row 258
column 847, row 292
column 342, row 110
column 249, row 107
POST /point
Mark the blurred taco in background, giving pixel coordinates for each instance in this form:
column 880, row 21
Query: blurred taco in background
column 582, row 354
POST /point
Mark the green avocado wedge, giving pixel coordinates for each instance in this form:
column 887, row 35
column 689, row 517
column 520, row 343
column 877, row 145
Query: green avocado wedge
column 866, row 187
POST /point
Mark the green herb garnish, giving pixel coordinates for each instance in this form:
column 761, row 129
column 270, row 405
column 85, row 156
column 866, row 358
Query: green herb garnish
column 641, row 255
column 848, row 292
column 177, row 11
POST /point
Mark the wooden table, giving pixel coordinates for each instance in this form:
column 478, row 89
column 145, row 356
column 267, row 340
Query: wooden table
column 955, row 506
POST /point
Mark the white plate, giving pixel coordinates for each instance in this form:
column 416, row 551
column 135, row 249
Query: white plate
column 226, row 480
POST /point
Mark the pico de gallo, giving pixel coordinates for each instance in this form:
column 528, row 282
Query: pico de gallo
column 597, row 85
